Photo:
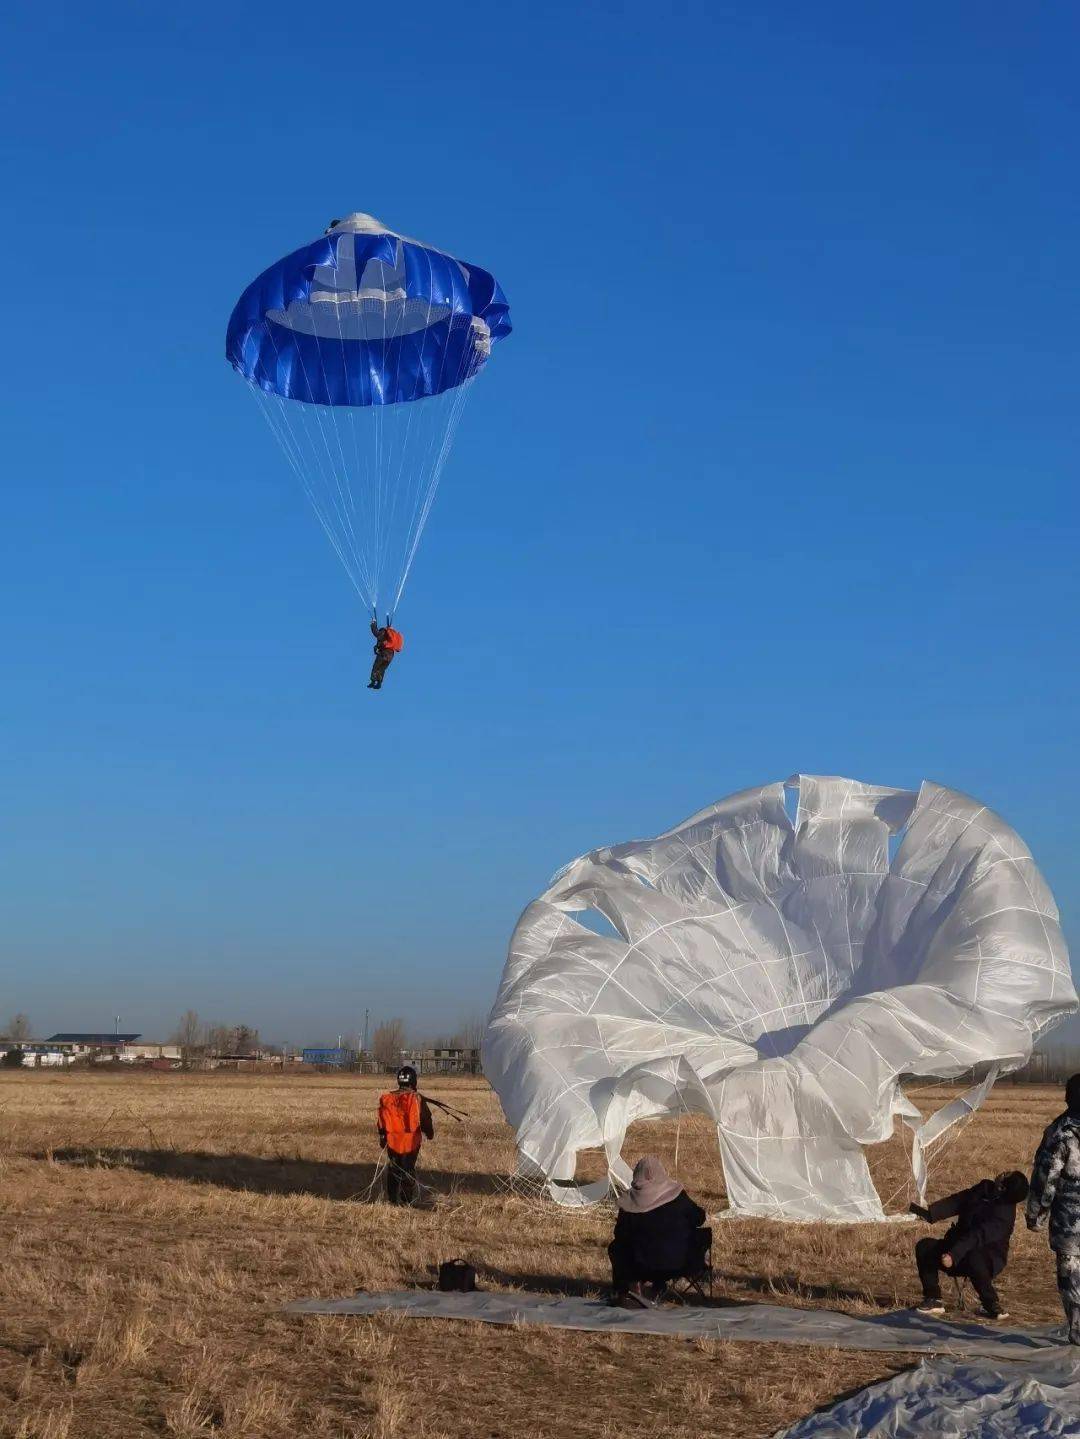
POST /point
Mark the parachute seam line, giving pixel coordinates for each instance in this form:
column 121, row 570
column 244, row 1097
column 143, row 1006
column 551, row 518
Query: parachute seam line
column 610, row 975
column 664, row 980
column 776, row 907
column 695, row 859
column 840, row 870
column 1042, row 917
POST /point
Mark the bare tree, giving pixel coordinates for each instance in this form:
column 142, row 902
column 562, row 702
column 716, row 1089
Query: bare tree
column 470, row 1032
column 245, row 1039
column 190, row 1036
column 18, row 1027
column 219, row 1039
column 387, row 1043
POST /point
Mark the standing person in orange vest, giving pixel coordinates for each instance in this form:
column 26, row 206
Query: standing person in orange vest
column 388, row 643
column 404, row 1124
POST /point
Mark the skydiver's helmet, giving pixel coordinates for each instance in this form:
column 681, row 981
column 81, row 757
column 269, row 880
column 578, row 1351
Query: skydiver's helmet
column 406, row 1077
column 1013, row 1186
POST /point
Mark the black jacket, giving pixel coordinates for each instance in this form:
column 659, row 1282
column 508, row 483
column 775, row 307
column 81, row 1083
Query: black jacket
column 659, row 1242
column 984, row 1224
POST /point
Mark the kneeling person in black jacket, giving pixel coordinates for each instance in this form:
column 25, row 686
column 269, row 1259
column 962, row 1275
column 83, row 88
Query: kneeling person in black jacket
column 658, row 1235
column 976, row 1247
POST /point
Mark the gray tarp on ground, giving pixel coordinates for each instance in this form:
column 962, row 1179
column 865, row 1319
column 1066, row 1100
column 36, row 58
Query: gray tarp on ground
column 960, row 1399
column 901, row 1329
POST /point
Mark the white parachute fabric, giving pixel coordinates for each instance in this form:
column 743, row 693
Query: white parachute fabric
column 1038, row 1398
column 780, row 976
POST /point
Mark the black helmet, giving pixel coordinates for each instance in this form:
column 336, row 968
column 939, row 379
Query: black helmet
column 1014, row 1186
column 406, row 1077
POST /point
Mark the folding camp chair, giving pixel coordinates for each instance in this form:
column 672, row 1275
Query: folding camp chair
column 696, row 1285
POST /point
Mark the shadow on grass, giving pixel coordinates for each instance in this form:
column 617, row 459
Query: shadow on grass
column 562, row 1284
column 788, row 1286
column 255, row 1174
column 542, row 1283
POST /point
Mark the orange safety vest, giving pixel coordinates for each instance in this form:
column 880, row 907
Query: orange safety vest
column 399, row 1120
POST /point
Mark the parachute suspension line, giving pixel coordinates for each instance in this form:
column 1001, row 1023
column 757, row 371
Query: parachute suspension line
column 429, row 470
column 460, row 395
column 346, row 494
column 345, row 537
column 279, row 427
column 331, row 503
column 344, row 504
column 393, row 484
column 352, row 562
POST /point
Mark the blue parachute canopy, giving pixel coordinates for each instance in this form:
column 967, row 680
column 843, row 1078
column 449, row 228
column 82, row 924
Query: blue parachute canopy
column 361, row 349
column 363, row 316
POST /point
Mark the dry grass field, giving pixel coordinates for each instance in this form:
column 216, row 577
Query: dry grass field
column 153, row 1224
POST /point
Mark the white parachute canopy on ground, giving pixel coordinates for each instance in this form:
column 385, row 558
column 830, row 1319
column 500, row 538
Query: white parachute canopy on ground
column 779, row 975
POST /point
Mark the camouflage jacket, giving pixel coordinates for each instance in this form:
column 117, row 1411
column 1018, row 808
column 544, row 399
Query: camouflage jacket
column 1055, row 1185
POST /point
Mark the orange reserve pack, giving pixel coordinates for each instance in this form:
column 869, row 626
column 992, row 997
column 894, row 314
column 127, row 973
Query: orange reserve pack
column 394, row 640
column 399, row 1120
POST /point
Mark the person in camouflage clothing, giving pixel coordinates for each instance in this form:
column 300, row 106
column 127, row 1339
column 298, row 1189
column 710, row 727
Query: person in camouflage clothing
column 1055, row 1194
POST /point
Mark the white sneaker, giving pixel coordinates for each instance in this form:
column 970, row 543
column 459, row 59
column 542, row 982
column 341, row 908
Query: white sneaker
column 930, row 1306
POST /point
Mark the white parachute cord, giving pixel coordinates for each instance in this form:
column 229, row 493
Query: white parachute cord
column 400, row 482
column 330, row 505
column 461, row 395
column 287, row 449
column 356, row 569
column 319, row 422
column 342, row 480
column 390, row 424
column 340, row 413
column 435, row 459
column 345, row 415
column 393, row 432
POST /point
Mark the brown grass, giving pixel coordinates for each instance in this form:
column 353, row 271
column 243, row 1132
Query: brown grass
column 153, row 1225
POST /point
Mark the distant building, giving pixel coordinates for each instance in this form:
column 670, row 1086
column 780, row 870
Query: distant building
column 339, row 1058
column 79, row 1045
column 37, row 1053
column 84, row 1043
column 67, row 1047
column 447, row 1060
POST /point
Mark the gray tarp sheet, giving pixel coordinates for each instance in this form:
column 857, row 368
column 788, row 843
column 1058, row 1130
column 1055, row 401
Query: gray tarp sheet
column 960, row 1399
column 902, row 1330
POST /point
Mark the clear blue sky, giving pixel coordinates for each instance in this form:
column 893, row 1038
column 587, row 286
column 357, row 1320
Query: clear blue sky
column 778, row 471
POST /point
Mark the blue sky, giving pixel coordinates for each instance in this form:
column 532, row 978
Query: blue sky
column 777, row 472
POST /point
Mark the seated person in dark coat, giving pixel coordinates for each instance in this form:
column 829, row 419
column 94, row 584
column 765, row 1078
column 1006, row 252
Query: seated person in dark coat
column 658, row 1235
column 976, row 1247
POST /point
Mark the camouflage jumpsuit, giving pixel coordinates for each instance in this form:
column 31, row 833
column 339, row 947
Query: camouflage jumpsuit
column 1055, row 1192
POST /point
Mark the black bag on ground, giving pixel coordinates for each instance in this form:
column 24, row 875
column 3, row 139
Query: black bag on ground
column 457, row 1277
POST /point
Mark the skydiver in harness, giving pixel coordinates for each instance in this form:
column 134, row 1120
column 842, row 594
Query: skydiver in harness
column 404, row 1123
column 388, row 643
